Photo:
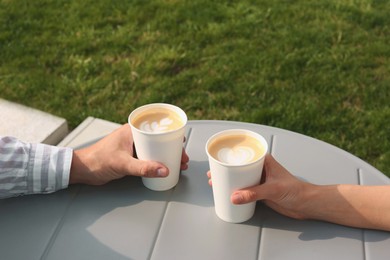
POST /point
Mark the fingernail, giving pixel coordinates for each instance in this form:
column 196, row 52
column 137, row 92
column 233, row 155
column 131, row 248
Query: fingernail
column 237, row 198
column 161, row 172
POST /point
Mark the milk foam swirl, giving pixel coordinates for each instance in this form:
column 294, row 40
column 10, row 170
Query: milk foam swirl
column 236, row 155
column 156, row 126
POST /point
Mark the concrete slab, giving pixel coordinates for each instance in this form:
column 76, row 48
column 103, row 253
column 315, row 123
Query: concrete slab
column 88, row 132
column 31, row 125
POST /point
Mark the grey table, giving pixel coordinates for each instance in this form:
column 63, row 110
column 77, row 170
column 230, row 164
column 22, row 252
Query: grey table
column 124, row 220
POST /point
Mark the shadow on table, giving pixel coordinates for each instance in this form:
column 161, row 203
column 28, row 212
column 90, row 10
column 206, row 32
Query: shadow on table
column 95, row 223
column 121, row 220
column 311, row 230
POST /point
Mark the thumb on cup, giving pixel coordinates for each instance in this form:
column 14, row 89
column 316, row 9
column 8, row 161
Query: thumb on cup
column 149, row 169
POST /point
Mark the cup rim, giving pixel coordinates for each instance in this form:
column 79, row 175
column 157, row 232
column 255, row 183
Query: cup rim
column 237, row 130
column 174, row 108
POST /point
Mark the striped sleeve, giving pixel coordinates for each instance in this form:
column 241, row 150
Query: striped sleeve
column 27, row 168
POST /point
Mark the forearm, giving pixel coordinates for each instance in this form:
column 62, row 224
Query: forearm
column 351, row 205
column 32, row 168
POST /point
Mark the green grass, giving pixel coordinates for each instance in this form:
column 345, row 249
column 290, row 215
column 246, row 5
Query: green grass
column 321, row 68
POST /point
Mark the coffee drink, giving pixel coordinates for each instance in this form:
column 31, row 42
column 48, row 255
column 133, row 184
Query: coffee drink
column 158, row 131
column 236, row 149
column 236, row 158
column 157, row 120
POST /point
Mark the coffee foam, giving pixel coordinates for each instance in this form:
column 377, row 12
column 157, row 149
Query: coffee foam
column 236, row 155
column 156, row 126
column 236, row 149
column 157, row 120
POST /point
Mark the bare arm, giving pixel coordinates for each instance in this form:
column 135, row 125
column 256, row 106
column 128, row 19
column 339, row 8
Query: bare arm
column 350, row 205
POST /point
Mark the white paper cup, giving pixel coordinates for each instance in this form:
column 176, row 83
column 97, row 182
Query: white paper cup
column 229, row 177
column 164, row 147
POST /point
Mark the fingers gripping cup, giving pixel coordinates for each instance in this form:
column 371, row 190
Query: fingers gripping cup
column 158, row 131
column 236, row 159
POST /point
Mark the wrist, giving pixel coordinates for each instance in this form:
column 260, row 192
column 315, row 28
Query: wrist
column 81, row 168
column 321, row 203
column 309, row 201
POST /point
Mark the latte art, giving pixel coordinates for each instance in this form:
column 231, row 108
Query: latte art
column 236, row 149
column 157, row 120
column 156, row 126
column 237, row 155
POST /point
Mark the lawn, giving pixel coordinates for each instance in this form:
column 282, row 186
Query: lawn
column 320, row 68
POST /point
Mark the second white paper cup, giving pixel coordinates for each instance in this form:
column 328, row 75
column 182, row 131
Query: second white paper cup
column 163, row 147
column 228, row 178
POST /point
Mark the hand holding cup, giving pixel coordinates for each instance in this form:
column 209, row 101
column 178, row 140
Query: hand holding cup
column 158, row 131
column 236, row 159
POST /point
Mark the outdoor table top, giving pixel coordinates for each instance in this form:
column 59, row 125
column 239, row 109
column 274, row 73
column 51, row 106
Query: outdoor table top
column 125, row 220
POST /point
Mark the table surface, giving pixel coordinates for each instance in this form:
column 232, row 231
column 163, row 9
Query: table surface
column 124, row 220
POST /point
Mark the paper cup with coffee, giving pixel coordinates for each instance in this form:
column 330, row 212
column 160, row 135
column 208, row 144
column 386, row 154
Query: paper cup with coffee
column 158, row 131
column 236, row 159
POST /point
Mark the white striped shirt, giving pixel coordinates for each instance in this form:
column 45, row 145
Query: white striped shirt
column 27, row 168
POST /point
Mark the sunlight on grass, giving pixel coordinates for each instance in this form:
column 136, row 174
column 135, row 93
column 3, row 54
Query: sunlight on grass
column 320, row 68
